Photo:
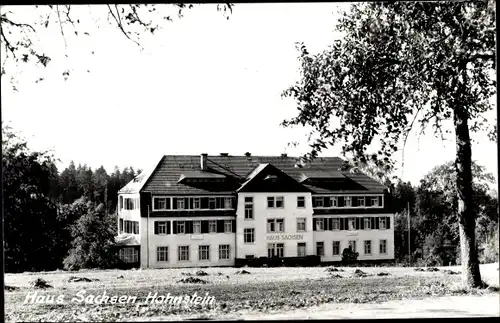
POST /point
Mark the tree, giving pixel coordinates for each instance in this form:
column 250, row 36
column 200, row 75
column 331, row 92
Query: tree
column 397, row 62
column 30, row 212
column 68, row 184
column 93, row 239
column 349, row 256
column 19, row 42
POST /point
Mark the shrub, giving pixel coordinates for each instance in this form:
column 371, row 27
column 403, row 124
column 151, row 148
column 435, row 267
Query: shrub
column 349, row 256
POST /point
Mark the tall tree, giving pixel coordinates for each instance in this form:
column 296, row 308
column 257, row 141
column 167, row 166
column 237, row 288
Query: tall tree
column 397, row 62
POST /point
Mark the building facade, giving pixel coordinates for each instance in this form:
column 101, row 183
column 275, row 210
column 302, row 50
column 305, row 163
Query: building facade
column 200, row 211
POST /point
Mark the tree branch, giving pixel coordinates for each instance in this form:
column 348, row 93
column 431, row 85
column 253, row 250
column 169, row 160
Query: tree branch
column 118, row 22
column 61, row 27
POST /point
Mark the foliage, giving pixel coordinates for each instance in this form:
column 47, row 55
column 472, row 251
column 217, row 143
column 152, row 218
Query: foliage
column 349, row 256
column 19, row 41
column 93, row 238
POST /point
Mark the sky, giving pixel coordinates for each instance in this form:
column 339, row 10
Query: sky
column 203, row 84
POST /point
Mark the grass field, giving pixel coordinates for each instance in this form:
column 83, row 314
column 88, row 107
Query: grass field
column 264, row 290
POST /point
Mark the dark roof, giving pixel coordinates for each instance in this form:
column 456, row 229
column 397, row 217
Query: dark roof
column 237, row 169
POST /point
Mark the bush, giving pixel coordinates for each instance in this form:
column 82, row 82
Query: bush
column 488, row 253
column 349, row 256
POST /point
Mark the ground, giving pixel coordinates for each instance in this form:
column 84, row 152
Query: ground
column 264, row 293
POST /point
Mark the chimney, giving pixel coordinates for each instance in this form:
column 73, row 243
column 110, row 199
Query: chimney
column 248, row 154
column 203, row 161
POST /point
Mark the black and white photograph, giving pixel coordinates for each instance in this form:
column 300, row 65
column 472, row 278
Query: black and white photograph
column 249, row 161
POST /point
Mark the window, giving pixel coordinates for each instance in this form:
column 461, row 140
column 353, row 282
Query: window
column 301, row 224
column 160, row 203
column 249, row 235
column 301, row 201
column 196, row 203
column 374, row 201
column 320, row 249
column 381, row 223
column 280, row 202
column 352, row 245
column 361, row 201
column 121, row 202
column 348, row 201
column 121, row 225
column 227, row 203
column 212, row 226
column 352, row 223
column 131, row 226
column 228, row 226
column 336, row 248
column 301, row 249
column 275, row 250
column 270, row 202
column 383, row 246
column 248, row 207
column 180, row 204
column 368, row 247
column 211, row 203
column 129, row 255
column 131, row 204
column 336, row 224
column 204, row 252
column 275, row 225
column 224, row 251
column 183, row 253
column 320, row 224
column 162, row 254
column 181, row 227
column 196, row 227
column 318, row 202
column 162, row 227
column 367, row 223
column 334, row 201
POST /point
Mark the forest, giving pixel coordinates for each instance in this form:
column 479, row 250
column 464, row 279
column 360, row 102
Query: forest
column 66, row 219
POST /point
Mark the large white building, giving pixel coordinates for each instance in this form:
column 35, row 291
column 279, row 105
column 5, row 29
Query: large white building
column 195, row 211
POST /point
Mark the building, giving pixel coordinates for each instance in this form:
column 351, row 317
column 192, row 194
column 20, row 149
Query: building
column 200, row 210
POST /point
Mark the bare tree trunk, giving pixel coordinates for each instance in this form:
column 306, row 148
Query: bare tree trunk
column 471, row 277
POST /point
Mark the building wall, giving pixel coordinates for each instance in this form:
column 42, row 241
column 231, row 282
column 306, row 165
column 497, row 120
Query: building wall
column 344, row 236
column 261, row 212
column 129, row 215
column 175, row 240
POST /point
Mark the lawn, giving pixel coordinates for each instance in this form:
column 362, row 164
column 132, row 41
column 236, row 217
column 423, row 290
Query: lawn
column 263, row 290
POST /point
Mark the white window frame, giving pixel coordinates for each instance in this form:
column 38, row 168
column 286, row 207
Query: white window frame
column 228, row 226
column 301, row 245
column 351, row 243
column 250, row 233
column 162, row 250
column 196, row 203
column 277, row 200
column 334, row 201
column 204, row 252
column 301, row 199
column 181, row 205
column 162, row 224
column 196, row 227
column 382, row 220
column 212, row 226
column 318, row 221
column 183, row 250
column 301, row 222
column 346, row 199
column 181, row 224
column 336, row 224
column 369, row 221
column 276, row 250
column 224, row 252
column 278, row 225
column 384, row 244
column 212, row 201
column 336, row 243
column 367, row 243
column 374, row 201
column 228, row 203
column 322, row 244
column 248, row 207
column 351, row 223
column 164, row 201
column 271, row 199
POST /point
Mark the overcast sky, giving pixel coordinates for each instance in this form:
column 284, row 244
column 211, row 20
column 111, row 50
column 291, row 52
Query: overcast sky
column 203, row 84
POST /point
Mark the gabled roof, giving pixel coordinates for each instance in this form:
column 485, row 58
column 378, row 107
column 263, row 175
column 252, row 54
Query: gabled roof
column 274, row 180
column 239, row 169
